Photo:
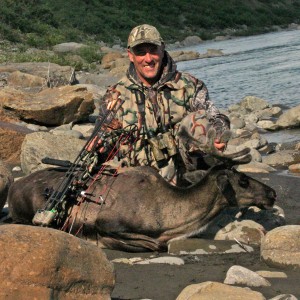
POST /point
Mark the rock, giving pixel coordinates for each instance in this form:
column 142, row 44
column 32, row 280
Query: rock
column 237, row 123
column 245, row 231
column 284, row 297
column 252, row 103
column 290, row 118
column 71, row 133
column 282, row 158
column 281, row 247
column 44, row 144
column 121, row 62
column 191, row 40
column 96, row 83
column 118, row 72
column 56, row 75
column 271, row 274
column 34, row 127
column 267, row 124
column 162, row 260
column 6, row 179
column 242, row 276
column 68, row 47
column 294, row 145
column 53, row 107
column 85, row 129
column 184, row 55
column 294, row 168
column 25, row 80
column 214, row 290
column 203, row 246
column 255, row 167
column 11, row 139
column 213, row 53
column 44, row 263
column 109, row 58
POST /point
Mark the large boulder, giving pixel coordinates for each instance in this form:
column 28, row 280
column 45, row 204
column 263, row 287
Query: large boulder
column 282, row 158
column 281, row 247
column 214, row 290
column 50, row 107
column 25, row 80
column 38, row 145
column 290, row 118
column 43, row 263
column 11, row 139
column 55, row 74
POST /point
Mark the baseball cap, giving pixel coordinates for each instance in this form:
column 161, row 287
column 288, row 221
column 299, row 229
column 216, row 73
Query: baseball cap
column 144, row 34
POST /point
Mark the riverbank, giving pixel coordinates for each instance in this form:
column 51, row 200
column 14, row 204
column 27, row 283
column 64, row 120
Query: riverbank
column 165, row 282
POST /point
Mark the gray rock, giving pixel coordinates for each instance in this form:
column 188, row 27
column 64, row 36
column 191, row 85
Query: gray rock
column 34, row 127
column 268, row 125
column 191, row 40
column 51, row 107
column 282, row 158
column 44, row 144
column 281, row 247
column 237, row 123
column 56, row 75
column 240, row 275
column 290, row 118
column 271, row 274
column 252, row 103
column 162, row 260
column 71, row 133
column 255, row 167
column 245, row 231
column 68, row 47
column 214, row 290
column 284, row 297
column 203, row 246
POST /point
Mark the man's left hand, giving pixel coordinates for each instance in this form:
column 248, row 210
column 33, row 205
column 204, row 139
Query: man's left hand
column 219, row 145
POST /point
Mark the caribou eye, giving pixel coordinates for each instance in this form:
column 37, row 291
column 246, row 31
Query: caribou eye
column 243, row 181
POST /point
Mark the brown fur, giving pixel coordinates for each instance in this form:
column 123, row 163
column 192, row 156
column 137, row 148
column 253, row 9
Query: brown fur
column 140, row 211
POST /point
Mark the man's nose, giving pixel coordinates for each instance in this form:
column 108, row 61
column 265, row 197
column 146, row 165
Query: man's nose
column 148, row 56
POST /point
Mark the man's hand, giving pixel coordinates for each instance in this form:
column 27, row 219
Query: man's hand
column 219, row 145
column 97, row 147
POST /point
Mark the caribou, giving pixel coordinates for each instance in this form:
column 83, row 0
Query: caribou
column 137, row 210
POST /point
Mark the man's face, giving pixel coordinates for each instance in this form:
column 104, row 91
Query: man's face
column 147, row 59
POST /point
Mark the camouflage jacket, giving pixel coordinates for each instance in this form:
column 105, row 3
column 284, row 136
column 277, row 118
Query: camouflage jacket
column 163, row 105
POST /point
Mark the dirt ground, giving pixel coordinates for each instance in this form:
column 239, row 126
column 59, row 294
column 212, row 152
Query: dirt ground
column 165, row 282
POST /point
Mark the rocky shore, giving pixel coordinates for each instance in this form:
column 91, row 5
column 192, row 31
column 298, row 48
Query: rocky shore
column 49, row 110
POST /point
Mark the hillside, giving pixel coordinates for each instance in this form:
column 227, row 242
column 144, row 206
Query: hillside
column 43, row 23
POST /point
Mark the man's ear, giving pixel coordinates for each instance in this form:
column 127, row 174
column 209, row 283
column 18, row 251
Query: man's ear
column 130, row 55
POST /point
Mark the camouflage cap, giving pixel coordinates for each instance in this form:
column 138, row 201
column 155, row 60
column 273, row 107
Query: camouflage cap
column 144, row 34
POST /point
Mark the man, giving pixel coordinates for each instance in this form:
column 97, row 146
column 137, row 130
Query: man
column 155, row 98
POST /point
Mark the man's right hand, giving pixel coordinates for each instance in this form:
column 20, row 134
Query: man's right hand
column 96, row 144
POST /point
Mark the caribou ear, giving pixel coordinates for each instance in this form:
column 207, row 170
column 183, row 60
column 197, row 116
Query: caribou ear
column 226, row 189
column 222, row 182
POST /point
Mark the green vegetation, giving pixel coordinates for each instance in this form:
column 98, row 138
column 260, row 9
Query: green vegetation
column 44, row 23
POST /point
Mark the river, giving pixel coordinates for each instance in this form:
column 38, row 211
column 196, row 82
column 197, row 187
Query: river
column 266, row 66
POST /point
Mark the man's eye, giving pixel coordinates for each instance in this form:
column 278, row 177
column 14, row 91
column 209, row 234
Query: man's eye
column 140, row 53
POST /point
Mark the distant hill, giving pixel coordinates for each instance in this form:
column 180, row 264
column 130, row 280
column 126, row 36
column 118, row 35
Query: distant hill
column 43, row 23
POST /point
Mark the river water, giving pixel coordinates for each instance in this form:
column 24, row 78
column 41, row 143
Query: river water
column 266, row 66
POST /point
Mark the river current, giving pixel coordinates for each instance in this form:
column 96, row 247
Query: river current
column 266, row 66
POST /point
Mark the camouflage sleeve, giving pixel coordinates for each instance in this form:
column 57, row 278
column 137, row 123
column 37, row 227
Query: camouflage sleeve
column 201, row 101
